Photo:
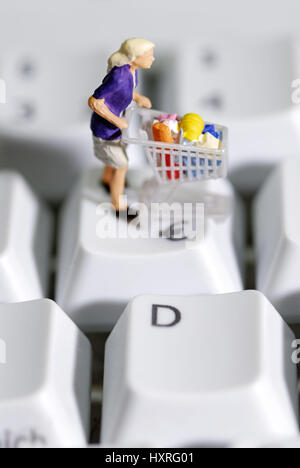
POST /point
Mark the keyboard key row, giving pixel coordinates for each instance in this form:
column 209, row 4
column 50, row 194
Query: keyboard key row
column 196, row 371
column 97, row 275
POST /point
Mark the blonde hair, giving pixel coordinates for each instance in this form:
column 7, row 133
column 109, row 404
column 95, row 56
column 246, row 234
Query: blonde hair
column 129, row 51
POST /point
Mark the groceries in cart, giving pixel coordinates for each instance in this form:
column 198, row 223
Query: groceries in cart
column 189, row 131
column 178, row 149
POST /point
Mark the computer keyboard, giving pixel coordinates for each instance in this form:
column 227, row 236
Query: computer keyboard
column 197, row 361
column 150, row 340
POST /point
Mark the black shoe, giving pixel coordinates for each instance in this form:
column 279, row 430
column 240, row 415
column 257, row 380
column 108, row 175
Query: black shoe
column 105, row 186
column 129, row 217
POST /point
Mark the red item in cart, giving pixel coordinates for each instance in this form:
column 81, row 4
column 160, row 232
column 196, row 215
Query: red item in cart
column 161, row 132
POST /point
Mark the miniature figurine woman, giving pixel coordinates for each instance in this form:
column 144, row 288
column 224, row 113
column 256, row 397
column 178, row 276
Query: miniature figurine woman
column 108, row 102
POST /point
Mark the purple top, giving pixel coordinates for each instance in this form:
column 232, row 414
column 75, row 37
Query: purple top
column 117, row 91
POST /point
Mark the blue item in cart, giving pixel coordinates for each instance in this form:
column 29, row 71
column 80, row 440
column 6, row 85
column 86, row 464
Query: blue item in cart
column 194, row 163
column 212, row 130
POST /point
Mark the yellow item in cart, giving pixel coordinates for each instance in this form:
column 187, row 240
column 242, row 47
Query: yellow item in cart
column 192, row 126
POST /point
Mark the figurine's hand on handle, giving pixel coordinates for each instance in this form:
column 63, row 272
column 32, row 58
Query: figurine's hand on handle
column 141, row 100
column 145, row 102
column 123, row 124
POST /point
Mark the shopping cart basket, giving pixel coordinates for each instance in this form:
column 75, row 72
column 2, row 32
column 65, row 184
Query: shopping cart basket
column 174, row 163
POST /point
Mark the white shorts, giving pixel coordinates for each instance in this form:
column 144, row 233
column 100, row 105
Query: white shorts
column 111, row 153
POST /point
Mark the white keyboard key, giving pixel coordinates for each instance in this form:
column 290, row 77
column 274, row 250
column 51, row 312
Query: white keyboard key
column 286, row 444
column 262, row 118
column 275, row 444
column 25, row 241
column 35, row 129
column 98, row 276
column 277, row 239
column 199, row 370
column 45, row 382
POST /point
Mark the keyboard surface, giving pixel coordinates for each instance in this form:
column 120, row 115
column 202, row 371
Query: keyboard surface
column 197, row 351
column 178, row 333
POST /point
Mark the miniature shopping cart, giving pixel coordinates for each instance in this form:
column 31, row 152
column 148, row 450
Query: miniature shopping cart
column 175, row 163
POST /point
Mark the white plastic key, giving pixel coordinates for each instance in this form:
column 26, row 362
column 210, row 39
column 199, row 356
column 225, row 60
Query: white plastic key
column 277, row 238
column 45, row 378
column 36, row 130
column 98, row 276
column 25, row 241
column 199, row 370
column 243, row 84
column 293, row 443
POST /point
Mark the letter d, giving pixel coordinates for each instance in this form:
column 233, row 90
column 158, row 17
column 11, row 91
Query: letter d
column 168, row 317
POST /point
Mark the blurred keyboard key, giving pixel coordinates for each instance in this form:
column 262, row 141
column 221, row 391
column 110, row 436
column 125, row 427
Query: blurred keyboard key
column 45, row 379
column 277, row 238
column 245, row 84
column 206, row 371
column 48, row 142
column 25, row 241
column 273, row 444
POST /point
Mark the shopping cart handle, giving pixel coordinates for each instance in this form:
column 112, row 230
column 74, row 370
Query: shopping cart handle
column 128, row 116
column 142, row 139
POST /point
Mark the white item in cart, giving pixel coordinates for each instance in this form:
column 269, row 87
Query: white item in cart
column 25, row 241
column 199, row 370
column 101, row 269
column 277, row 239
column 45, row 377
column 207, row 140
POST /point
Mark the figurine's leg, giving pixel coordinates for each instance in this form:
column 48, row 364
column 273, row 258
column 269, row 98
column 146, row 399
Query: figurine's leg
column 107, row 175
column 117, row 186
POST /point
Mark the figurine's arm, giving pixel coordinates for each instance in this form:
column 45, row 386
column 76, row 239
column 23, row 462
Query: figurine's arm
column 99, row 106
column 142, row 101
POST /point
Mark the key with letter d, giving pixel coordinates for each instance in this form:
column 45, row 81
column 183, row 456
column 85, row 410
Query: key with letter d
column 204, row 370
